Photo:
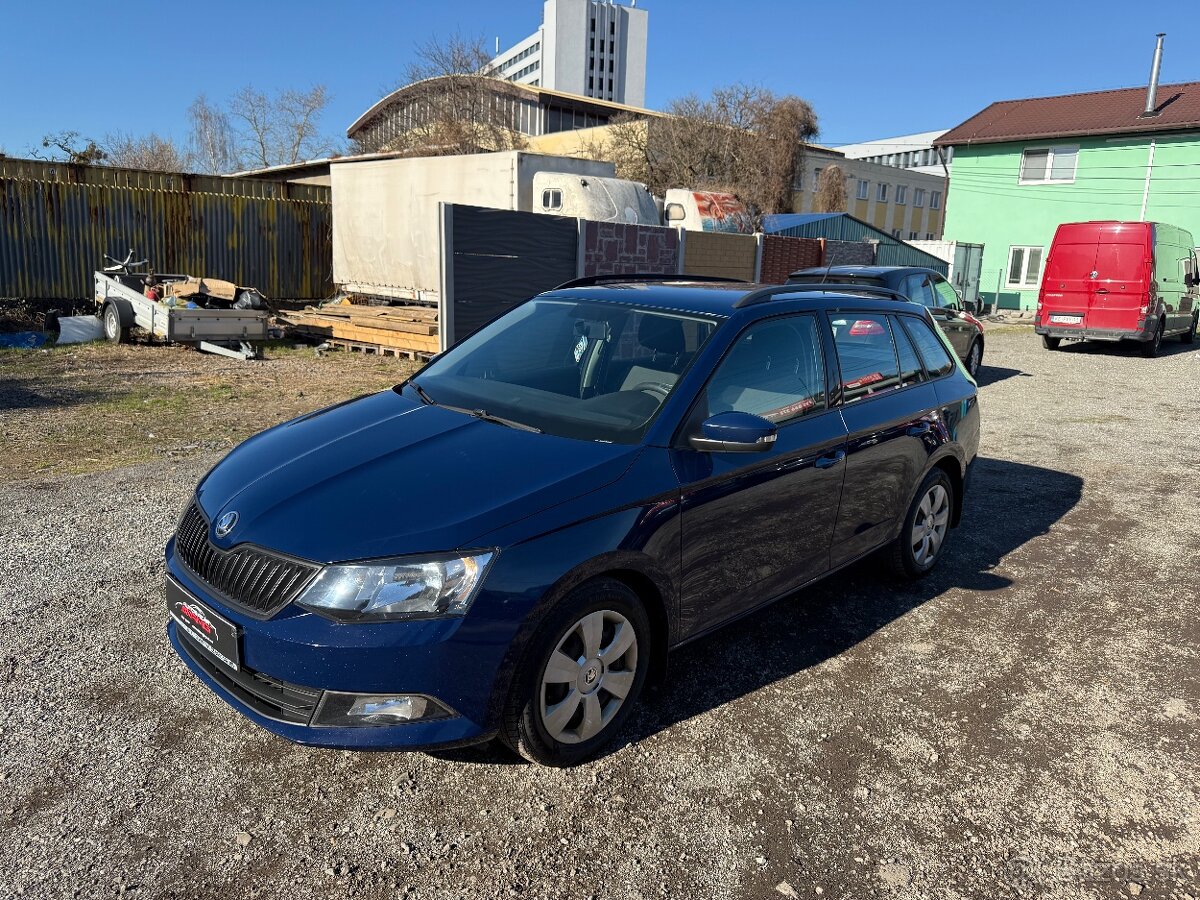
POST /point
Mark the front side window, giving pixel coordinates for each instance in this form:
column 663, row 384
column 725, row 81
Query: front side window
column 581, row 369
column 775, row 369
column 866, row 354
column 1024, row 267
column 1049, row 165
column 946, row 296
column 864, row 188
column 937, row 358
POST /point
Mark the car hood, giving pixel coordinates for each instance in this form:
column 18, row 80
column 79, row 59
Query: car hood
column 385, row 476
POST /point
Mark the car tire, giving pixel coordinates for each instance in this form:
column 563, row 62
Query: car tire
column 1050, row 343
column 113, row 329
column 974, row 360
column 1150, row 348
column 1189, row 336
column 565, row 702
column 914, row 555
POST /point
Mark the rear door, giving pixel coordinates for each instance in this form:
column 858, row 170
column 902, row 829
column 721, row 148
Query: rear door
column 1120, row 287
column 1067, row 280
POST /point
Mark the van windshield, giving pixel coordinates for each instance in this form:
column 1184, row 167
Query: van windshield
column 583, row 369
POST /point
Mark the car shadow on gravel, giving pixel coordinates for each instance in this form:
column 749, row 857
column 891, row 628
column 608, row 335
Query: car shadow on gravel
column 1008, row 505
column 1169, row 347
column 993, row 374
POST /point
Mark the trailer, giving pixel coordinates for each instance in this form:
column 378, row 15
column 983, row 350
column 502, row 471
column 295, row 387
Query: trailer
column 122, row 303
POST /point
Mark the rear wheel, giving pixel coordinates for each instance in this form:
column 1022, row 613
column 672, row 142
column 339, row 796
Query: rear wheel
column 926, row 526
column 975, row 359
column 1189, row 336
column 1050, row 343
column 113, row 329
column 1150, row 347
column 580, row 677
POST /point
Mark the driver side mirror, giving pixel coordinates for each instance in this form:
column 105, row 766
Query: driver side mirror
column 734, row 432
column 675, row 212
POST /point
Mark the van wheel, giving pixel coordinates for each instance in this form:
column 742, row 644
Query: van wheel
column 1150, row 347
column 1189, row 336
column 580, row 677
column 1050, row 343
column 923, row 537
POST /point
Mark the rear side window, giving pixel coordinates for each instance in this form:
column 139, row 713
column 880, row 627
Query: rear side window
column 866, row 354
column 910, row 363
column 937, row 358
column 917, row 289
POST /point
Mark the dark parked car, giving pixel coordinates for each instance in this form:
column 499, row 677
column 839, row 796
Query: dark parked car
column 923, row 286
column 510, row 542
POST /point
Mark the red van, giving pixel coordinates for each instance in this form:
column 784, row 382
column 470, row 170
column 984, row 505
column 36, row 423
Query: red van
column 1112, row 281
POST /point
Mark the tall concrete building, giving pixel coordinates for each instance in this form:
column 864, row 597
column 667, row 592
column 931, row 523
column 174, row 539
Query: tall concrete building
column 593, row 48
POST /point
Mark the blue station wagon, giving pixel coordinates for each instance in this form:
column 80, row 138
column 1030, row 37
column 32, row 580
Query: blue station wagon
column 509, row 543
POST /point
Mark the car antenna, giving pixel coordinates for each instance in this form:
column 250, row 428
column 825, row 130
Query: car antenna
column 828, row 268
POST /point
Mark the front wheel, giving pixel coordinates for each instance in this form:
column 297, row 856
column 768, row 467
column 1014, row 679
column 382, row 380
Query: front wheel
column 923, row 537
column 1050, row 343
column 1189, row 336
column 581, row 676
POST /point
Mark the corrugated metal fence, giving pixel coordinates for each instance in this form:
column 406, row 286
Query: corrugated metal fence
column 57, row 220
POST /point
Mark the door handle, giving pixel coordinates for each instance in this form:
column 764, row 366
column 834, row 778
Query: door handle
column 829, row 460
column 1101, row 290
column 919, row 430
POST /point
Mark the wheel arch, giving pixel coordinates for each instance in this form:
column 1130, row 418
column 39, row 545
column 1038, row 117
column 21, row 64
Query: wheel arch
column 953, row 469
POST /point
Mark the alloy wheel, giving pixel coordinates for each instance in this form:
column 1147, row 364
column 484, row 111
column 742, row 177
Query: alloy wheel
column 930, row 525
column 974, row 359
column 588, row 676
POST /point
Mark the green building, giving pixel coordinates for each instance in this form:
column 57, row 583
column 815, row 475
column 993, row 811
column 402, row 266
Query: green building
column 1022, row 167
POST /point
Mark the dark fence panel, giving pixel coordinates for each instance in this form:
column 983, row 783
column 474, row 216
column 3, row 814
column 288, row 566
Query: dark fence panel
column 781, row 256
column 501, row 258
column 57, row 222
column 615, row 248
column 849, row 253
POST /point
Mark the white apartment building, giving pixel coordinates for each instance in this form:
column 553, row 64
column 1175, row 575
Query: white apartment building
column 908, row 151
column 593, row 48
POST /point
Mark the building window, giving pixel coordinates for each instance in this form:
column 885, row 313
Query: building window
column 918, row 196
column 1024, row 267
column 552, row 199
column 881, row 192
column 935, row 199
column 901, row 194
column 929, row 235
column 591, row 82
column 864, row 189
column 612, row 27
column 816, row 178
column 1049, row 165
column 895, row 232
column 912, row 235
column 593, row 24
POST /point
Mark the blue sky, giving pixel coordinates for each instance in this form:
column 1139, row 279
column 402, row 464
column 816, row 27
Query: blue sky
column 871, row 69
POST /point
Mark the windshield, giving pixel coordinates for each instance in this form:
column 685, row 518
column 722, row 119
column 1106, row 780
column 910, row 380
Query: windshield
column 582, row 369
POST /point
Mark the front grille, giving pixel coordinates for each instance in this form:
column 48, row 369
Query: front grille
column 267, row 696
column 256, row 580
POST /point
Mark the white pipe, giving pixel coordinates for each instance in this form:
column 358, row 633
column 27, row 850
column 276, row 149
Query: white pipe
column 1146, row 188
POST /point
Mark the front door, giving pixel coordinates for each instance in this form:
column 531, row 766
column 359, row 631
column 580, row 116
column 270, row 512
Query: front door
column 756, row 525
column 946, row 313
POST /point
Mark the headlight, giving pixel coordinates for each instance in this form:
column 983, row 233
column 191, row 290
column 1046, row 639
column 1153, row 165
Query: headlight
column 410, row 588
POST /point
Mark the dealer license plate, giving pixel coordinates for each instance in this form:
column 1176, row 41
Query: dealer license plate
column 211, row 633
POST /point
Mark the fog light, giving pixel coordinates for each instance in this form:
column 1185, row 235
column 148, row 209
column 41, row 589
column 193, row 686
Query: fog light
column 350, row 710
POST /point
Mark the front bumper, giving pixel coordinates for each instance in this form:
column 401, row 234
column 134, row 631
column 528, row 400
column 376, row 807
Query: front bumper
column 288, row 661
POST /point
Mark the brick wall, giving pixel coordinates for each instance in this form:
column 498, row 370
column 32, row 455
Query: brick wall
column 614, row 248
column 715, row 253
column 781, row 256
column 849, row 253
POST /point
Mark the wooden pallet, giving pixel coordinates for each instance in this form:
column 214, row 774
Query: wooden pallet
column 401, row 330
column 378, row 349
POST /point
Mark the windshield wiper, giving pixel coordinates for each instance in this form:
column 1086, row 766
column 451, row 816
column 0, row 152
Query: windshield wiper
column 488, row 417
column 425, row 398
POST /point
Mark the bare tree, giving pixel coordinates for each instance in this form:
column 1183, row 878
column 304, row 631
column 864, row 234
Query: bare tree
column 831, row 190
column 211, row 140
column 742, row 139
column 456, row 104
column 280, row 130
column 69, row 146
column 151, row 152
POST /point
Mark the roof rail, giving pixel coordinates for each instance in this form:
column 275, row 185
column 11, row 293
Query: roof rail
column 590, row 280
column 762, row 295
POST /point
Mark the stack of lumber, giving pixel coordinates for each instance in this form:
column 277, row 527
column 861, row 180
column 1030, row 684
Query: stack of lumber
column 407, row 330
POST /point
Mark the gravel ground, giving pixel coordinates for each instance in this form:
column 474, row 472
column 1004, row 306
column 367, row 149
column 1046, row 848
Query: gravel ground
column 1021, row 723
